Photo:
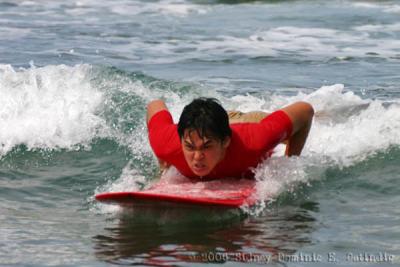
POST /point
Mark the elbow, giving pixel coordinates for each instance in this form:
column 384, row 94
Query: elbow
column 153, row 107
column 307, row 109
column 155, row 102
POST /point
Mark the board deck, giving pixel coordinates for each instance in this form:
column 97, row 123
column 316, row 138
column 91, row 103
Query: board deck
column 224, row 193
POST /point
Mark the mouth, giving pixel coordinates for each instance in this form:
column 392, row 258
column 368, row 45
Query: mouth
column 198, row 167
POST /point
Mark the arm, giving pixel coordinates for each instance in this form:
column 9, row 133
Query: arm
column 301, row 115
column 153, row 107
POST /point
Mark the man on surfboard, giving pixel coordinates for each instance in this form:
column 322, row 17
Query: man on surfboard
column 209, row 143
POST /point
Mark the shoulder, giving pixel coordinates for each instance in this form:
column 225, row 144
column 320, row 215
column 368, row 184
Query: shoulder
column 163, row 134
column 155, row 107
column 161, row 118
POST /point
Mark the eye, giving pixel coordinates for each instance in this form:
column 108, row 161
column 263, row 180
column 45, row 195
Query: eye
column 208, row 146
column 189, row 147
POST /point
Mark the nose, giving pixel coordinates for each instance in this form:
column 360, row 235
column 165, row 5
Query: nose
column 198, row 155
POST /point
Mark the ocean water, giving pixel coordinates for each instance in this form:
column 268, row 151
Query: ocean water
column 75, row 77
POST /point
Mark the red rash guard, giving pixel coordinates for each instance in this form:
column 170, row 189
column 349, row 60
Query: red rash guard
column 249, row 145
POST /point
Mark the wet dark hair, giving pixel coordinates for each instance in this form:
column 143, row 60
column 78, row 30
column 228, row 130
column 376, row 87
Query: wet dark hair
column 207, row 117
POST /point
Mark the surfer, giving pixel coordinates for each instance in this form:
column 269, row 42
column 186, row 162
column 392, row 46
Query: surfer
column 209, row 142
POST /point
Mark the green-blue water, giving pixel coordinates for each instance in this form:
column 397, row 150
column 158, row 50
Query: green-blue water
column 75, row 77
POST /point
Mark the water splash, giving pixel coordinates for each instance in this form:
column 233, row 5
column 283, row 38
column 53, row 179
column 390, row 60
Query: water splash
column 50, row 107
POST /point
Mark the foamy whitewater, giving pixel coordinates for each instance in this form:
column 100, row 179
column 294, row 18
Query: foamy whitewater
column 75, row 78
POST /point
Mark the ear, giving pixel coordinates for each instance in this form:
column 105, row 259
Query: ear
column 226, row 142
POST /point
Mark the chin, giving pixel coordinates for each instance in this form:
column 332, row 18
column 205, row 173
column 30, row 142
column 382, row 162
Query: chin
column 202, row 173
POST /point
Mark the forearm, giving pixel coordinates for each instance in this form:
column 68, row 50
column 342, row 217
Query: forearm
column 301, row 115
column 297, row 141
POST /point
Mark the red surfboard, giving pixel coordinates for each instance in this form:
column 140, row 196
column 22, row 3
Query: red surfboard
column 224, row 193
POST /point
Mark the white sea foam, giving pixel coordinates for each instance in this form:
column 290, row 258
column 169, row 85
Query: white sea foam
column 395, row 27
column 28, row 3
column 320, row 42
column 293, row 40
column 130, row 180
column 365, row 5
column 393, row 9
column 166, row 7
column 385, row 7
column 179, row 8
column 175, row 8
column 49, row 107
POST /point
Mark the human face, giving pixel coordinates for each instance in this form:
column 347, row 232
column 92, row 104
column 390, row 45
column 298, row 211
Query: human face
column 202, row 154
